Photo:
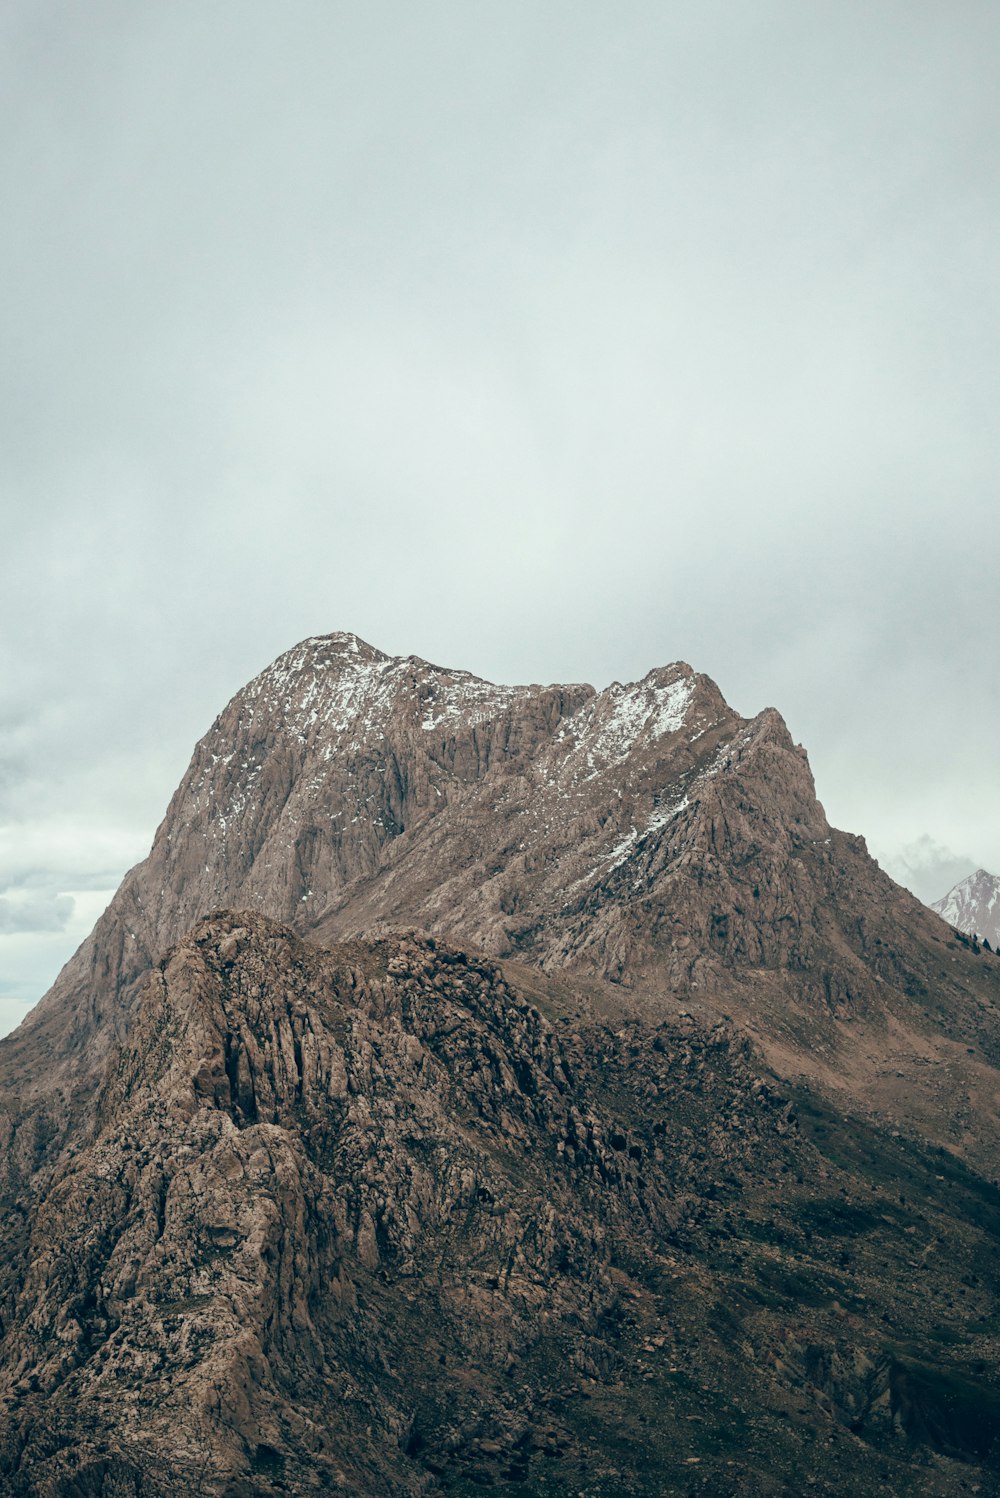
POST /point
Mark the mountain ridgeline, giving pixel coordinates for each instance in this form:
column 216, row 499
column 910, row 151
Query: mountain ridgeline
column 507, row 1087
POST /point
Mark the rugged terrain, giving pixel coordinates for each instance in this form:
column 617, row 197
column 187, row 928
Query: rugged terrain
column 645, row 838
column 973, row 906
column 513, row 1088
column 376, row 1220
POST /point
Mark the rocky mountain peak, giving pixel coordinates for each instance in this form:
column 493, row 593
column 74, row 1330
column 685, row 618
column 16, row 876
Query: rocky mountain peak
column 337, row 757
column 645, row 835
column 513, row 1087
column 331, row 684
column 973, row 906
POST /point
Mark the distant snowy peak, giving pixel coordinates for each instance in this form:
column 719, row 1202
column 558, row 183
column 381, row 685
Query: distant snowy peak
column 974, row 906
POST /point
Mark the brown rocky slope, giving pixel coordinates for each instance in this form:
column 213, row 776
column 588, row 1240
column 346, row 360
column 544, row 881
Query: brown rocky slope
column 379, row 1212
column 645, row 838
column 375, row 1220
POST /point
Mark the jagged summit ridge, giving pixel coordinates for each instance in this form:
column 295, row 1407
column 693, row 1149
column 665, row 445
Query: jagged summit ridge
column 371, row 744
column 352, row 1206
column 338, row 683
column 332, row 684
column 344, row 788
column 646, row 835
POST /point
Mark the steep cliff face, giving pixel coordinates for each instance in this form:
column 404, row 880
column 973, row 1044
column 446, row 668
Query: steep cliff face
column 645, row 836
column 377, row 1220
column 302, row 783
column 567, row 1107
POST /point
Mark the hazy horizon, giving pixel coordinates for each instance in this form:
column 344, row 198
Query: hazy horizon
column 553, row 343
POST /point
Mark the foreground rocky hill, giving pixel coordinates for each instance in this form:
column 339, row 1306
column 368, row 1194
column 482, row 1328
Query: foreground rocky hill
column 377, row 1220
column 566, row 1108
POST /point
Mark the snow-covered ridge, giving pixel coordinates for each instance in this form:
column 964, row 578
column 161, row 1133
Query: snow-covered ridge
column 460, row 698
column 338, row 684
column 339, row 695
column 645, row 708
column 343, row 683
column 973, row 906
column 607, row 728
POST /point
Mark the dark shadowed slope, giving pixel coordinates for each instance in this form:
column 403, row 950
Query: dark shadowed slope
column 378, row 1221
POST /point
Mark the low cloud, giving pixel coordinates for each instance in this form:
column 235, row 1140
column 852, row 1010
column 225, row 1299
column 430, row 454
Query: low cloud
column 57, row 873
column 31, row 912
column 43, row 881
column 928, row 868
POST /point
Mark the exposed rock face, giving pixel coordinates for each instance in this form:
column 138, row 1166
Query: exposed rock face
column 646, row 836
column 370, row 1221
column 973, row 906
column 626, row 1174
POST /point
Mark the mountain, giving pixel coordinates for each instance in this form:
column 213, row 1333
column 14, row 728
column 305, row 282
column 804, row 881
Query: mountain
column 973, row 906
column 646, row 838
column 506, row 1087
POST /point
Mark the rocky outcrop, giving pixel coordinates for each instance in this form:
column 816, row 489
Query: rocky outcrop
column 212, row 1273
column 568, row 1106
column 645, row 837
column 376, row 1220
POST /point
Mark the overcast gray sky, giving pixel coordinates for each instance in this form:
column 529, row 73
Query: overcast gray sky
column 551, row 340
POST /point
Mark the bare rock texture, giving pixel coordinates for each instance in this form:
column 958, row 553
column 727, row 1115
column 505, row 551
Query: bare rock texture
column 645, row 836
column 376, row 1220
column 566, row 1108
